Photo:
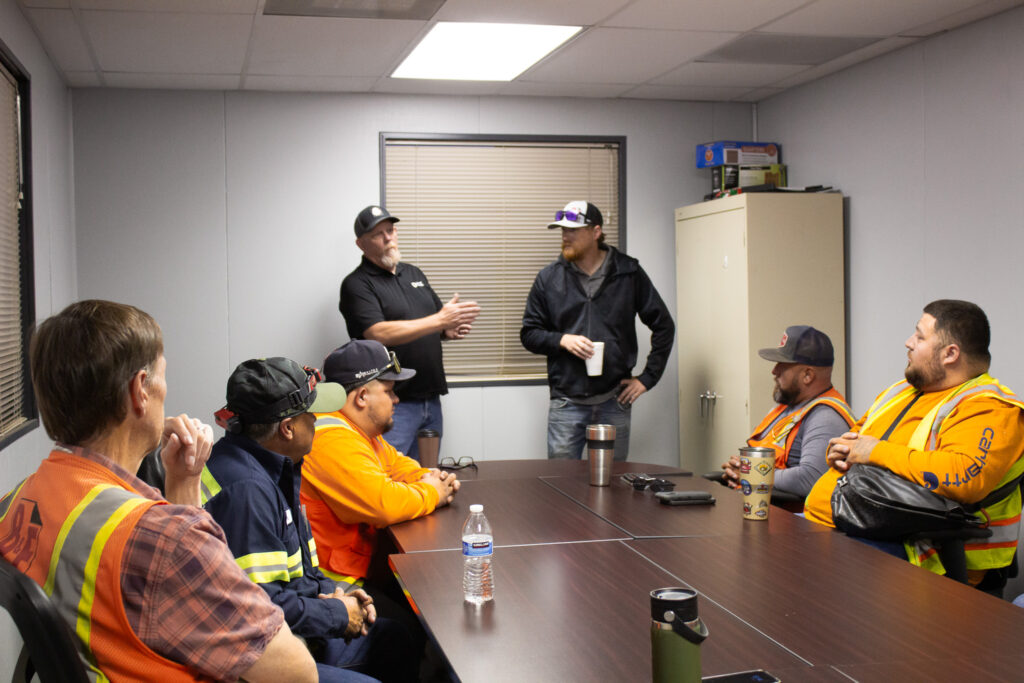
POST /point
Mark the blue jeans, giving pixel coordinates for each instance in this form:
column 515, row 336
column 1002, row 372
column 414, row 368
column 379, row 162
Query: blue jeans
column 386, row 654
column 410, row 417
column 567, row 427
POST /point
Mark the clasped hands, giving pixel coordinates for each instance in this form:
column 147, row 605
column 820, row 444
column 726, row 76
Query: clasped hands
column 361, row 612
column 849, row 449
column 446, row 483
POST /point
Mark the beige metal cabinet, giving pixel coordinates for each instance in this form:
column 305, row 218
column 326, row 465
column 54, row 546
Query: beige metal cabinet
column 748, row 266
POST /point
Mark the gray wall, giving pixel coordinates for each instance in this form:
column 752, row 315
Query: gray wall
column 54, row 239
column 927, row 145
column 227, row 216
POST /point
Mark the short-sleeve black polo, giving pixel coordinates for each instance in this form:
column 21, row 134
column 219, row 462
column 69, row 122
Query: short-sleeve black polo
column 370, row 294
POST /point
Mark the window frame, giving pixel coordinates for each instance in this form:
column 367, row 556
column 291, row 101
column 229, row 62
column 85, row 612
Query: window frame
column 25, row 247
column 620, row 144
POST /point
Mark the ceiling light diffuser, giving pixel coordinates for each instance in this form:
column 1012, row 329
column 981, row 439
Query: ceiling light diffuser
column 481, row 52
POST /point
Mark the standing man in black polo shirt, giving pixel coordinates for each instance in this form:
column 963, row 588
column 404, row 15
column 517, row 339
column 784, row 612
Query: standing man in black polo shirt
column 392, row 302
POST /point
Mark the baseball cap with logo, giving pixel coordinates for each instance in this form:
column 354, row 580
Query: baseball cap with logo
column 266, row 390
column 577, row 214
column 802, row 344
column 369, row 217
column 361, row 361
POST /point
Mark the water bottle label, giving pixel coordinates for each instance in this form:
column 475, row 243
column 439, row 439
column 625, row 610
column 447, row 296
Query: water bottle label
column 477, row 548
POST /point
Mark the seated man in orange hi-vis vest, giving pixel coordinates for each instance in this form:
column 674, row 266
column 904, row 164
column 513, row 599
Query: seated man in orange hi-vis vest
column 950, row 427
column 147, row 584
column 809, row 413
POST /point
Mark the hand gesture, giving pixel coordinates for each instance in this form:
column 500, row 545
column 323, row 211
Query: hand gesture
column 732, row 472
column 456, row 314
column 446, row 484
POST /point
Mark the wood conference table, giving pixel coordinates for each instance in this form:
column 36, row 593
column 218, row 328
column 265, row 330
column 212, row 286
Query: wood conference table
column 574, row 566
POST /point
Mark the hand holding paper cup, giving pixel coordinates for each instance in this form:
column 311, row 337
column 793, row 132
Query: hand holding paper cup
column 757, row 474
column 595, row 363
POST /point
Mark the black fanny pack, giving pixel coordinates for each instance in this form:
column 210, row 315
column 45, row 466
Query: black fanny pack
column 873, row 502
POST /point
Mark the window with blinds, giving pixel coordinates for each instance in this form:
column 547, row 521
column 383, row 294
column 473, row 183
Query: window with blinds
column 17, row 309
column 474, row 214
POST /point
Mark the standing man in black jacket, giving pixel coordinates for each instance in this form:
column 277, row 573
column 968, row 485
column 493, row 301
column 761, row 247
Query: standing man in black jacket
column 593, row 293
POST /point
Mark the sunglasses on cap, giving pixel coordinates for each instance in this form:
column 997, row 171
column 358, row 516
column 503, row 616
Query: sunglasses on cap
column 392, row 365
column 295, row 400
column 574, row 216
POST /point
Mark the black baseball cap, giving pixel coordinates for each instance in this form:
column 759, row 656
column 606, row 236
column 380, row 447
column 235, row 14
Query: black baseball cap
column 369, row 217
column 802, row 344
column 361, row 361
column 265, row 390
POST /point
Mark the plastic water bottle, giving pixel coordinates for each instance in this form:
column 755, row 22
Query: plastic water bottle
column 477, row 550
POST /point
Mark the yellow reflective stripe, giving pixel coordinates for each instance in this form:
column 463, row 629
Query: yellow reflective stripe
column 295, row 564
column 886, row 401
column 314, row 559
column 927, row 426
column 271, row 566
column 65, row 529
column 84, row 626
column 330, row 422
column 208, row 486
column 342, row 578
column 5, row 502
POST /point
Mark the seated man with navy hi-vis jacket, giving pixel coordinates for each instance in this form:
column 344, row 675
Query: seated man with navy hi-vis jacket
column 251, row 487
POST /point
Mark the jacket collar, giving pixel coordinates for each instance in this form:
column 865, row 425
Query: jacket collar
column 277, row 466
column 373, row 269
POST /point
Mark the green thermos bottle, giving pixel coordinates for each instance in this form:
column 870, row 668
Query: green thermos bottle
column 676, row 634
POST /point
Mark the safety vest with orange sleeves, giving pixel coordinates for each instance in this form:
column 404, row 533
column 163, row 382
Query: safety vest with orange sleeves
column 782, row 434
column 72, row 545
column 1003, row 516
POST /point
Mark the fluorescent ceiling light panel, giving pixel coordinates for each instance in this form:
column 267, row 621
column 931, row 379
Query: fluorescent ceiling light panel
column 481, row 52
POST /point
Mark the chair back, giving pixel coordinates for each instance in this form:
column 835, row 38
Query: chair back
column 51, row 647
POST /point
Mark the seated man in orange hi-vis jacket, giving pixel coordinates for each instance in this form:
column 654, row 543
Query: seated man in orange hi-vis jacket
column 146, row 583
column 353, row 481
column 809, row 413
column 950, row 427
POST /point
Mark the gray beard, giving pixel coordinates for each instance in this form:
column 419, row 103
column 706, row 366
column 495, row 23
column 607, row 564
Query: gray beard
column 391, row 258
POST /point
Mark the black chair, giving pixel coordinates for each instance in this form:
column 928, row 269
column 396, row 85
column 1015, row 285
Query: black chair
column 51, row 647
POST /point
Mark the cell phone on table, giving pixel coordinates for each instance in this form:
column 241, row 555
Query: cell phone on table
column 755, row 676
column 685, row 498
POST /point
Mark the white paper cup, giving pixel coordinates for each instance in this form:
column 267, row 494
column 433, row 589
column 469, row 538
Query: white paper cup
column 596, row 362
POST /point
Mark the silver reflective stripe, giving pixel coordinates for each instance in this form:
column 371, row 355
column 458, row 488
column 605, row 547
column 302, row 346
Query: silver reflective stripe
column 69, row 579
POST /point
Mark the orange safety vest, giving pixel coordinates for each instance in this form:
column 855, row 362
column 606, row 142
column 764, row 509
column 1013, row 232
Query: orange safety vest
column 782, row 434
column 66, row 527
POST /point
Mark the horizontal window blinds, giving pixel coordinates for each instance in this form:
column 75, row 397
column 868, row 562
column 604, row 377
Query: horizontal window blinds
column 12, row 381
column 474, row 218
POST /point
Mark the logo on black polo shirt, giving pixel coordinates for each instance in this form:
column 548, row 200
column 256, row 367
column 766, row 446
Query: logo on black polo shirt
column 418, row 283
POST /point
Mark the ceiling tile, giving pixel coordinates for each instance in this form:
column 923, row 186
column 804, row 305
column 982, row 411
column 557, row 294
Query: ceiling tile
column 168, row 43
column 775, row 48
column 421, row 86
column 759, row 94
column 309, row 83
column 702, row 15
column 50, row 4
column 686, row 92
column 558, row 12
column 719, row 73
column 310, row 46
column 62, row 38
column 172, row 81
column 974, row 13
column 622, row 55
column 865, row 17
column 869, row 52
column 564, row 89
column 82, row 79
column 200, row 6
